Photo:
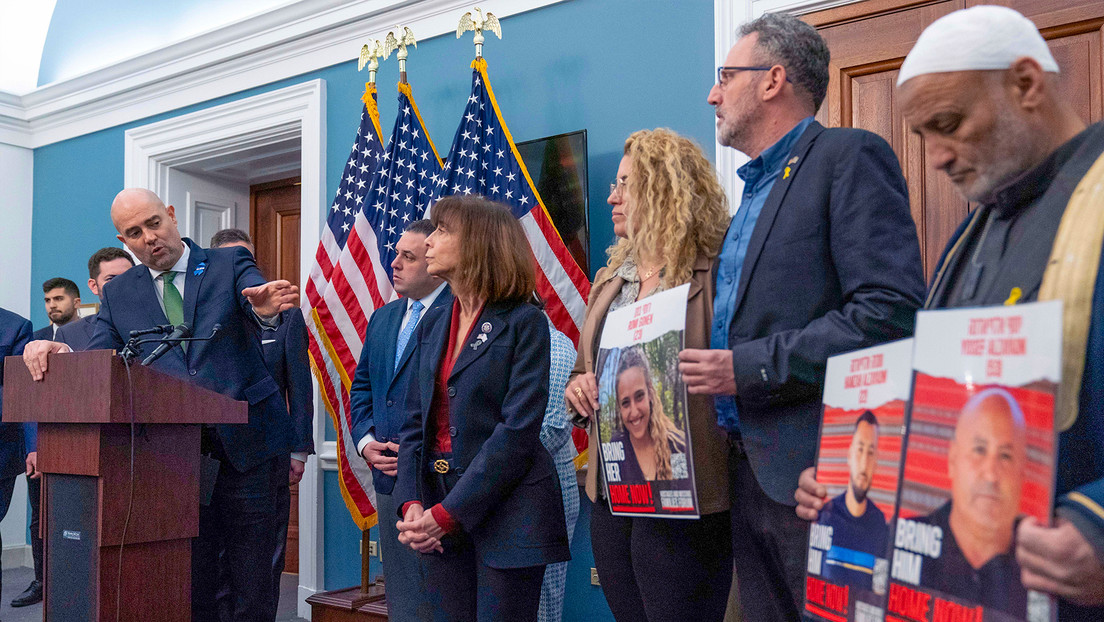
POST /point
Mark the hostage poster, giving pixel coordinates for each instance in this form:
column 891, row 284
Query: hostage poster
column 979, row 458
column 866, row 397
column 644, row 433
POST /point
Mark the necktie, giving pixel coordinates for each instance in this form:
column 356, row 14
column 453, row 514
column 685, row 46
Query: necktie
column 174, row 304
column 408, row 330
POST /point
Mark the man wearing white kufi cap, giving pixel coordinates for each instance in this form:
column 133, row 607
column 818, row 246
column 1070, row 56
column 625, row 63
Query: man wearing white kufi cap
column 980, row 88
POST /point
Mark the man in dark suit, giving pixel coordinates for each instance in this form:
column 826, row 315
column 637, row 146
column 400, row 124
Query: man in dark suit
column 62, row 298
column 15, row 333
column 104, row 265
column 223, row 287
column 826, row 209
column 378, row 396
column 285, row 354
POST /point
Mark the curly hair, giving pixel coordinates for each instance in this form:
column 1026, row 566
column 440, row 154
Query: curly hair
column 661, row 430
column 679, row 209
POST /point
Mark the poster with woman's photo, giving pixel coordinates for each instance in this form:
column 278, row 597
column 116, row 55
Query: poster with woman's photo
column 644, row 432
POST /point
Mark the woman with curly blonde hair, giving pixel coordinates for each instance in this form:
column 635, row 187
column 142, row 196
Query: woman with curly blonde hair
column 670, row 215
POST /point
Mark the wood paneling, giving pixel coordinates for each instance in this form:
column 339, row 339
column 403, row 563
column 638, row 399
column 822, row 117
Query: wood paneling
column 275, row 220
column 869, row 40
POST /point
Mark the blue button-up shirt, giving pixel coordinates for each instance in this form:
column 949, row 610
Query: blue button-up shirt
column 759, row 176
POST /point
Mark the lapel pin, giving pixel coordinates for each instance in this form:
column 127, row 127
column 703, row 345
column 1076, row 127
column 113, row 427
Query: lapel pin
column 480, row 339
column 793, row 160
column 486, row 327
column 200, row 268
column 786, row 173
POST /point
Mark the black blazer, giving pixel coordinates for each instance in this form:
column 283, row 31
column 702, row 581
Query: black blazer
column 508, row 497
column 833, row 265
column 285, row 355
column 77, row 334
column 382, row 412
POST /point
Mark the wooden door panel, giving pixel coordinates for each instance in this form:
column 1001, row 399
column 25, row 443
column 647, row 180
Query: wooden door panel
column 870, row 39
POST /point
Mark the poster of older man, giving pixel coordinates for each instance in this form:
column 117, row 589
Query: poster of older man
column 979, row 458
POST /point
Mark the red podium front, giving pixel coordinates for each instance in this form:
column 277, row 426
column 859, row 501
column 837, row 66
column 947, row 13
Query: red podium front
column 89, row 499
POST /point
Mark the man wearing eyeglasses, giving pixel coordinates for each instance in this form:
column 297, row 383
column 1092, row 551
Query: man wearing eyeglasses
column 820, row 258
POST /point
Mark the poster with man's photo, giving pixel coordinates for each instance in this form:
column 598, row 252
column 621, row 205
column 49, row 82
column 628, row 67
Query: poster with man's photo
column 644, row 433
column 979, row 458
column 866, row 397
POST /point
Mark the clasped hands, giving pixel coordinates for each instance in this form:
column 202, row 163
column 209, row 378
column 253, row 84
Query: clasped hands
column 420, row 531
column 1057, row 559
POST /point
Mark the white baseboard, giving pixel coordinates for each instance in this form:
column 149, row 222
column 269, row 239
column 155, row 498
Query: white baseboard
column 17, row 556
column 304, row 610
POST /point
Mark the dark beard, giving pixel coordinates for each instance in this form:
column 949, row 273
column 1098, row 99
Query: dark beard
column 858, row 493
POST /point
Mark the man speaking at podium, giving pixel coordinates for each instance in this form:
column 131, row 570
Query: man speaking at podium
column 179, row 283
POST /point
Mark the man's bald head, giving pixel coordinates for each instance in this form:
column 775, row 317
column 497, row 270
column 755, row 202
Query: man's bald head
column 986, row 462
column 147, row 227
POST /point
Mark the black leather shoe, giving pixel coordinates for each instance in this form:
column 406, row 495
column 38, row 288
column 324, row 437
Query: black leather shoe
column 30, row 596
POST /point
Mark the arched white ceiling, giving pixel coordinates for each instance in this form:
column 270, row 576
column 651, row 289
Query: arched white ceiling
column 46, row 41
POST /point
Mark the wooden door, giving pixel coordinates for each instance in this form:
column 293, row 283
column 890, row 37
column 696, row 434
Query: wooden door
column 274, row 226
column 869, row 40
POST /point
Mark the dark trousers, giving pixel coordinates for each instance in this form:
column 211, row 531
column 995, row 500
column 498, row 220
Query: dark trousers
column 34, row 497
column 769, row 544
column 238, row 526
column 403, row 568
column 661, row 570
column 462, row 587
column 7, row 486
column 279, row 556
column 465, row 589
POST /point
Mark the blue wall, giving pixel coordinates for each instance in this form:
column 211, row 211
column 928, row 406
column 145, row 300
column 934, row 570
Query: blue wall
column 607, row 66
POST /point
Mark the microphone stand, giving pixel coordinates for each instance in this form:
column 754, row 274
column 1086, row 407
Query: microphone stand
column 132, row 349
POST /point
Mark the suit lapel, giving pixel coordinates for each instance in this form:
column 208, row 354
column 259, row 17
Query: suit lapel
column 193, row 280
column 146, row 290
column 442, row 299
column 434, row 342
column 774, row 201
column 488, row 325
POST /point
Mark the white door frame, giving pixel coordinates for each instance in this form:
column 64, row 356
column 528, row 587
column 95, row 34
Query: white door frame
column 297, row 111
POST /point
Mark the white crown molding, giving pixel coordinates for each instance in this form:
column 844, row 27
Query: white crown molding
column 288, row 41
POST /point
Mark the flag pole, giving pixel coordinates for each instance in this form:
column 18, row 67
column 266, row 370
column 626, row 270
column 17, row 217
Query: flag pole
column 392, row 43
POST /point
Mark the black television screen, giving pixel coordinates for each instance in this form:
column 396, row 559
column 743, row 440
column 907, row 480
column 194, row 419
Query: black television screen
column 558, row 166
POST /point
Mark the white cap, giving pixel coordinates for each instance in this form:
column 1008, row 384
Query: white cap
column 980, row 38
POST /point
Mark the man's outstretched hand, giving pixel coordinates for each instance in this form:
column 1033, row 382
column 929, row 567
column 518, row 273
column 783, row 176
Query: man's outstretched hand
column 270, row 299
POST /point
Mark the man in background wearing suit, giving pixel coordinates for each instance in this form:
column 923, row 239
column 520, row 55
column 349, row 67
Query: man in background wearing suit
column 826, row 208
column 377, row 397
column 104, row 265
column 62, row 300
column 15, row 333
column 182, row 283
column 285, row 354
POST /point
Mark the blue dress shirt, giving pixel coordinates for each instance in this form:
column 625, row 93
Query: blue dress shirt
column 759, row 176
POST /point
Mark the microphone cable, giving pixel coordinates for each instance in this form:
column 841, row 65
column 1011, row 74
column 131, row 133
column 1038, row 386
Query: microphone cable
column 130, row 499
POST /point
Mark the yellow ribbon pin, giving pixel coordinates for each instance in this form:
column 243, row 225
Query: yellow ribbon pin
column 786, row 173
column 1013, row 296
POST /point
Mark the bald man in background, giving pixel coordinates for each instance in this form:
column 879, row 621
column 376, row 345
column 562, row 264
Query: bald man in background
column 180, row 282
column 981, row 88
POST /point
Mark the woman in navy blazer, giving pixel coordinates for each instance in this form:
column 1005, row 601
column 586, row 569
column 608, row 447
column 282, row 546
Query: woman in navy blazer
column 478, row 492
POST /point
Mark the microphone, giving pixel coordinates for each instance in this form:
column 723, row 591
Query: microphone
column 168, row 343
column 162, row 329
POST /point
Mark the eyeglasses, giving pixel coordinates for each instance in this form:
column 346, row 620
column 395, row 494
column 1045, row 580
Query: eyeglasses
column 724, row 74
column 617, row 187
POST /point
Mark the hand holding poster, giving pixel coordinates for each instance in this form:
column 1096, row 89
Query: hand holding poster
column 979, row 457
column 866, row 393
column 643, row 428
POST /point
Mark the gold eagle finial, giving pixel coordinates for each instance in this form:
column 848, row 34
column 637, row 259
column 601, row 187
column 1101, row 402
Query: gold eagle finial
column 392, row 43
column 370, row 55
column 482, row 21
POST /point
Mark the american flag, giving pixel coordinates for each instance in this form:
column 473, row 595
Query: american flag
column 485, row 161
column 352, row 273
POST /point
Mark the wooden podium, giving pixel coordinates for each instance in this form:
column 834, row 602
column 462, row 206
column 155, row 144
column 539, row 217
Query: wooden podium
column 89, row 497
